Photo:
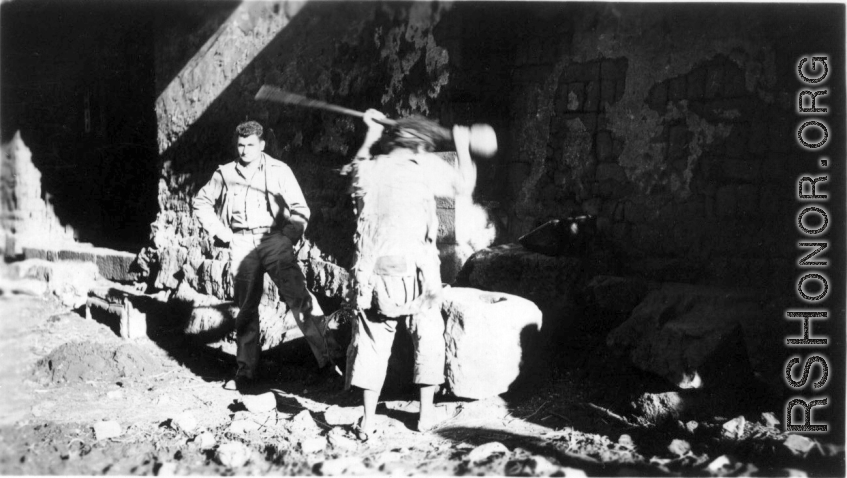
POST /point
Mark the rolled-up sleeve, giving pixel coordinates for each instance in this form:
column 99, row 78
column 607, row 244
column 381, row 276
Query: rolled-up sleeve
column 297, row 207
column 204, row 205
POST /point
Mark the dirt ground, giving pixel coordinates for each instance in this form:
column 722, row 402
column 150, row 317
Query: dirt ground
column 78, row 399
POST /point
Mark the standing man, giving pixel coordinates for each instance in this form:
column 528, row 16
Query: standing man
column 255, row 205
column 396, row 269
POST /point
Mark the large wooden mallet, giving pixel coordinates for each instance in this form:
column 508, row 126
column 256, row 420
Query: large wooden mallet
column 483, row 140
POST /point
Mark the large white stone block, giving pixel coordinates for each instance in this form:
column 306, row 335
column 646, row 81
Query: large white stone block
column 486, row 333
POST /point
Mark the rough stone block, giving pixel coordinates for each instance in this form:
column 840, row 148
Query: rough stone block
column 677, row 89
column 677, row 142
column 575, row 97
column 592, row 96
column 733, row 82
column 618, row 294
column 604, row 146
column 607, row 93
column 550, row 282
column 478, row 322
column 684, row 333
column 112, row 265
column 714, row 81
column 609, row 69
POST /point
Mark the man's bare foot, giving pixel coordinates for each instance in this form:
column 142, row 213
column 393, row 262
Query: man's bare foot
column 365, row 430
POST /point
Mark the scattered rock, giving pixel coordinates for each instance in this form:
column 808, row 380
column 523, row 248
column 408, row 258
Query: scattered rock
column 659, row 407
column 484, row 452
column 185, row 422
column 259, row 403
column 679, row 447
column 336, row 415
column 70, row 280
column 205, row 440
column 626, row 441
column 241, row 427
column 313, row 445
column 107, row 429
column 540, row 466
column 338, row 440
column 478, row 322
column 768, row 419
column 342, row 466
column 798, row 445
column 691, row 426
column 303, row 423
column 734, row 429
column 233, row 454
column 719, row 465
column 167, row 468
column 115, row 394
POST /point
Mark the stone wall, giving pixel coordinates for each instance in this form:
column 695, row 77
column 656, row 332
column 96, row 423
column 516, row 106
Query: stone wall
column 668, row 123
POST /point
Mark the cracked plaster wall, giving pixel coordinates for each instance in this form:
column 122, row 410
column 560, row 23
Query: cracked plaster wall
column 665, row 124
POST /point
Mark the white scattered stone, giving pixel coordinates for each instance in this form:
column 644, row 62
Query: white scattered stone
column 541, row 466
column 679, row 447
column 795, row 473
column 303, row 423
column 484, row 452
column 339, row 466
column 734, row 428
column 107, row 429
column 240, row 427
column 259, row 403
column 233, row 454
column 338, row 440
column 313, row 445
column 572, row 472
column 770, row 420
column 336, row 415
column 205, row 441
column 167, row 468
column 185, row 422
column 626, row 441
column 691, row 426
column 115, row 394
column 477, row 323
column 720, row 465
column 798, row 444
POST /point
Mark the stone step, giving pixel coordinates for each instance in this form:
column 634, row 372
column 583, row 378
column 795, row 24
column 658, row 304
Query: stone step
column 112, row 265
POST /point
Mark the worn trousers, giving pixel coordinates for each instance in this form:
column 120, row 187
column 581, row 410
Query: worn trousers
column 252, row 256
column 373, row 336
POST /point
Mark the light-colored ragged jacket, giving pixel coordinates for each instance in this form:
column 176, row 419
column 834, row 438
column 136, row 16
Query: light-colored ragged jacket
column 213, row 203
column 397, row 224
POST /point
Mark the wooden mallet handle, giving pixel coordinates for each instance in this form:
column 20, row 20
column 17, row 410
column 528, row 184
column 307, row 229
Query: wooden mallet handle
column 483, row 140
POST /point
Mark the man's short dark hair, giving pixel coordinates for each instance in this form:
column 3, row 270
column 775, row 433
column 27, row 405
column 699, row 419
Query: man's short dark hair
column 248, row 128
column 412, row 132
